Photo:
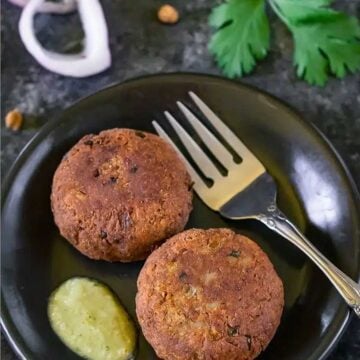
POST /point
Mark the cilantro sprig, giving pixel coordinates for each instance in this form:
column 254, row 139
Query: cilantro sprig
column 243, row 35
column 326, row 41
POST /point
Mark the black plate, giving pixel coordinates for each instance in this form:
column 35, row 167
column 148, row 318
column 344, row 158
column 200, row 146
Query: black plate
column 315, row 190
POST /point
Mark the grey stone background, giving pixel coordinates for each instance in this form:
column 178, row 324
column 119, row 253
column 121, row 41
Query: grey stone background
column 141, row 45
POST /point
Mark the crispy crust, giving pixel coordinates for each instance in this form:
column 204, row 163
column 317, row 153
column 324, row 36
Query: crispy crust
column 118, row 195
column 209, row 294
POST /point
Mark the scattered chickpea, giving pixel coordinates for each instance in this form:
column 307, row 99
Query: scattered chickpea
column 167, row 14
column 14, row 120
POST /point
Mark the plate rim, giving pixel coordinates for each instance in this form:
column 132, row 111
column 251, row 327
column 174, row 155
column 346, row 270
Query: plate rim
column 8, row 327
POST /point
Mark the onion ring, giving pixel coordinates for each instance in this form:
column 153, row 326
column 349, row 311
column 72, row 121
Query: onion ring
column 93, row 59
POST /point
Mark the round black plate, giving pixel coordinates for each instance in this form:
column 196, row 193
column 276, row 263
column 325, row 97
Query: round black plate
column 315, row 191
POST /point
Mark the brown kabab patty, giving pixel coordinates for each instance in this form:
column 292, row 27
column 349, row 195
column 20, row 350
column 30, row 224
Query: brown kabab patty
column 209, row 294
column 117, row 195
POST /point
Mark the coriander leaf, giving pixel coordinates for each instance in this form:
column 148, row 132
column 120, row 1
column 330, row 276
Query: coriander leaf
column 324, row 38
column 302, row 11
column 242, row 35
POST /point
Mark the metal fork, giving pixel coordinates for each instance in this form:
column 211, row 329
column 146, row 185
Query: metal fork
column 247, row 191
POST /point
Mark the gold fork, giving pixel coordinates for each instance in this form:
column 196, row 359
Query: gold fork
column 247, row 191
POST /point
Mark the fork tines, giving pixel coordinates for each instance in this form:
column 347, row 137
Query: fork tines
column 238, row 175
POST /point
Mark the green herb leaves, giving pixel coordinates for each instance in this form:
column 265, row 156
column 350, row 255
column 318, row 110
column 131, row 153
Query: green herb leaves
column 242, row 37
column 325, row 40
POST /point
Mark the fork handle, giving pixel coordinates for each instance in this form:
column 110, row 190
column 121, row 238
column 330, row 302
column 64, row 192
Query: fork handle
column 348, row 288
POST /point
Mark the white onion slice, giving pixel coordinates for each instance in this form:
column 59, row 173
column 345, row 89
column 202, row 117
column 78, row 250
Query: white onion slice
column 93, row 59
column 62, row 7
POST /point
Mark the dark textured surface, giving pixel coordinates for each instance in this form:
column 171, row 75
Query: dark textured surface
column 140, row 45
